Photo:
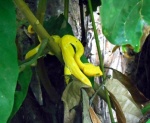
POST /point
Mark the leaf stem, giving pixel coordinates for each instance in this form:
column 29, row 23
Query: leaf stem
column 100, row 59
column 109, row 105
column 96, row 92
column 66, row 9
column 39, row 29
column 41, row 10
column 40, row 68
column 96, row 38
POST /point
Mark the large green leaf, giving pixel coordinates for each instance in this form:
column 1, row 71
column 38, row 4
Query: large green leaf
column 126, row 22
column 20, row 94
column 8, row 58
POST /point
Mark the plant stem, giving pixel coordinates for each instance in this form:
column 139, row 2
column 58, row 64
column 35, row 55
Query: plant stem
column 100, row 59
column 39, row 29
column 109, row 106
column 41, row 69
column 34, row 58
column 41, row 10
column 96, row 38
column 66, row 9
column 96, row 93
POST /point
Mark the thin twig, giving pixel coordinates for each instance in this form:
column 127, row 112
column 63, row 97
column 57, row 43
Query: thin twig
column 66, row 9
column 34, row 58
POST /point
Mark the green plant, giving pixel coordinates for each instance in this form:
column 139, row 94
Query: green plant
column 128, row 26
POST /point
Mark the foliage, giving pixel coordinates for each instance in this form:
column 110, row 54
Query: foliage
column 129, row 25
column 71, row 98
column 8, row 60
column 129, row 22
column 128, row 111
column 138, row 97
column 20, row 94
column 58, row 26
column 86, row 106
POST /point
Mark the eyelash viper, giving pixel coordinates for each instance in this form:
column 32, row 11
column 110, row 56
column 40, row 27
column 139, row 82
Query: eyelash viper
column 72, row 50
column 73, row 62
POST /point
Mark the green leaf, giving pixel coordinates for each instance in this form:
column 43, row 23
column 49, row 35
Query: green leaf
column 8, row 58
column 20, row 94
column 146, row 108
column 58, row 26
column 148, row 121
column 86, row 106
column 126, row 22
column 71, row 98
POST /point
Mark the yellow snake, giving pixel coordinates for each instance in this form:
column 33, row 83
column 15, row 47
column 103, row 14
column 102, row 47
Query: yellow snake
column 73, row 62
column 72, row 50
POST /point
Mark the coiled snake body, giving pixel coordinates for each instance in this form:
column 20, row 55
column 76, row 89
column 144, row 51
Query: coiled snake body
column 72, row 50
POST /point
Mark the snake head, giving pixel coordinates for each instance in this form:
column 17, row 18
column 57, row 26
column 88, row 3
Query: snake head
column 92, row 70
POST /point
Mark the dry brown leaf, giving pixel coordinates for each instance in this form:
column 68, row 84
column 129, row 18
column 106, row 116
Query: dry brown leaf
column 131, row 111
column 119, row 113
column 115, row 48
column 94, row 116
column 138, row 97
